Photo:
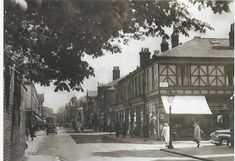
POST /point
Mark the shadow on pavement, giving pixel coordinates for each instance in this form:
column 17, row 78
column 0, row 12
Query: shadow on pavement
column 134, row 153
column 79, row 139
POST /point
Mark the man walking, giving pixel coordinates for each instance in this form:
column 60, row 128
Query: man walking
column 197, row 134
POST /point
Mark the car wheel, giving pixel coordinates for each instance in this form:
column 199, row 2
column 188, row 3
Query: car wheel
column 224, row 142
column 217, row 144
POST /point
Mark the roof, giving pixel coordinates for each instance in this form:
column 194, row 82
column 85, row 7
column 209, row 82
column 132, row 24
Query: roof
column 110, row 84
column 111, row 88
column 201, row 48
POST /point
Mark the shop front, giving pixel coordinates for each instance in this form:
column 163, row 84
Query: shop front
column 184, row 111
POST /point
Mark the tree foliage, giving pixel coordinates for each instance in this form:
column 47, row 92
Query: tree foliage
column 46, row 40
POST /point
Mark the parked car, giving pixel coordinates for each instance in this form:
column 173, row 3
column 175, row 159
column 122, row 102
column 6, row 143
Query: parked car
column 220, row 137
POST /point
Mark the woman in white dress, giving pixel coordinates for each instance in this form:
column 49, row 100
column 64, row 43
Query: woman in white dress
column 166, row 133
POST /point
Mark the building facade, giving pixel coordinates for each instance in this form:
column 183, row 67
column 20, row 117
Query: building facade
column 201, row 67
column 107, row 101
column 14, row 116
column 33, row 107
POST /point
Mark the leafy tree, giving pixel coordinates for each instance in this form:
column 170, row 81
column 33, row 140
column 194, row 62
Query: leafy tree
column 46, row 40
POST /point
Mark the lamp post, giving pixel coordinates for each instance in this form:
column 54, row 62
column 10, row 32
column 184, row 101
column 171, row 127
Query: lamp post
column 170, row 100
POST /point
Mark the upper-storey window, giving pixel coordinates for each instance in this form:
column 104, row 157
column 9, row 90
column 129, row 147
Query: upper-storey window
column 153, row 80
column 143, row 82
column 207, row 75
column 139, row 87
column 229, row 74
column 133, row 87
column 155, row 76
column 183, row 75
column 150, row 87
column 136, row 86
column 147, row 80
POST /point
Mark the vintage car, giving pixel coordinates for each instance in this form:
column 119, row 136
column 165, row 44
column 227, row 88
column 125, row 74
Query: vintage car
column 50, row 125
column 220, row 137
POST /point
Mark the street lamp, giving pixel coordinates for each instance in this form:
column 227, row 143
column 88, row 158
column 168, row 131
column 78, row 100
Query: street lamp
column 170, row 100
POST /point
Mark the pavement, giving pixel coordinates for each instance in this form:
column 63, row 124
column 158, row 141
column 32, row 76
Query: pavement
column 33, row 147
column 204, row 153
column 90, row 147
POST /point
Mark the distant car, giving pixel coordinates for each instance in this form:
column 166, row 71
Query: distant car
column 50, row 125
column 220, row 137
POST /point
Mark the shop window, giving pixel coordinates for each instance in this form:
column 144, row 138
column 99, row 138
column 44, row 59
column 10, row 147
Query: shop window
column 222, row 121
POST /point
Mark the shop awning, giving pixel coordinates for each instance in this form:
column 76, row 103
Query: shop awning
column 187, row 105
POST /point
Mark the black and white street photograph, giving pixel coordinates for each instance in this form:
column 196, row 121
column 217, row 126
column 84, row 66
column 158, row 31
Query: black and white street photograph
column 117, row 80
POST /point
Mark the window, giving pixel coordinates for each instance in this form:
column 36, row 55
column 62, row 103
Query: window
column 183, row 75
column 199, row 75
column 167, row 73
column 132, row 85
column 229, row 74
column 147, row 80
column 153, row 85
column 139, row 84
column 216, row 75
column 136, row 86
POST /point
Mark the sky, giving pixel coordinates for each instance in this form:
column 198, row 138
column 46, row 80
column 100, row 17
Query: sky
column 128, row 59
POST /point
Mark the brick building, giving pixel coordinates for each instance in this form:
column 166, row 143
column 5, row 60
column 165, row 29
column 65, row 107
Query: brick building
column 14, row 116
column 107, row 100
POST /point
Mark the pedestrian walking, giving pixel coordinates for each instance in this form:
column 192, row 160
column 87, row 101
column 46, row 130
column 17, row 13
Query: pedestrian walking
column 117, row 128
column 32, row 132
column 152, row 126
column 124, row 129
column 27, row 134
column 110, row 128
column 197, row 134
column 166, row 133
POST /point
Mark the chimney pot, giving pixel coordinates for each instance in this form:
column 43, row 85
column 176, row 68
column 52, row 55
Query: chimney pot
column 164, row 44
column 116, row 73
column 231, row 36
column 144, row 56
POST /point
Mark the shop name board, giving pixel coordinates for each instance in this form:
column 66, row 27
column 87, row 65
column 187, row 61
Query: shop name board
column 163, row 84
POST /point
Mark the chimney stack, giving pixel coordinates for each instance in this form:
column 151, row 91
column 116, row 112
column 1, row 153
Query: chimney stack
column 174, row 39
column 116, row 73
column 144, row 56
column 164, row 44
column 231, row 36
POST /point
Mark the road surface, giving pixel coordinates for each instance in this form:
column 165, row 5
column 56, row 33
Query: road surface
column 70, row 146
